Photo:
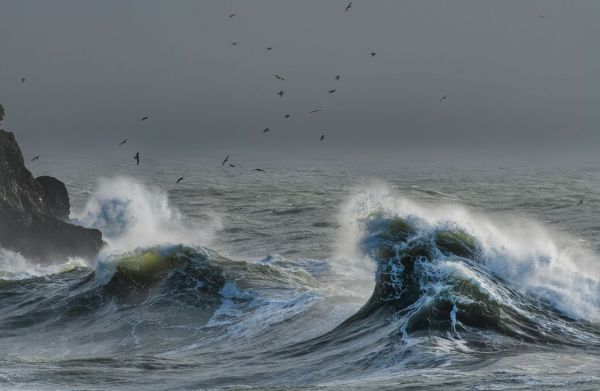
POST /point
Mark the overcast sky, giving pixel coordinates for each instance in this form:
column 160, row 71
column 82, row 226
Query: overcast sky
column 94, row 68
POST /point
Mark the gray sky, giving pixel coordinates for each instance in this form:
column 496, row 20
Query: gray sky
column 94, row 68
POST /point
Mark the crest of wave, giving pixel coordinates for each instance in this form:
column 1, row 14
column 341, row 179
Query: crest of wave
column 534, row 260
column 13, row 266
column 131, row 215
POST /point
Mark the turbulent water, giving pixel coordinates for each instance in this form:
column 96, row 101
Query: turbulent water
column 308, row 277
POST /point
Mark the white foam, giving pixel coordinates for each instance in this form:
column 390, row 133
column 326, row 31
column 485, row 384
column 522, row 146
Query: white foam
column 132, row 215
column 14, row 266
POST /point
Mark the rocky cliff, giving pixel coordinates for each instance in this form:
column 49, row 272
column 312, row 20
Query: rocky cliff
column 33, row 212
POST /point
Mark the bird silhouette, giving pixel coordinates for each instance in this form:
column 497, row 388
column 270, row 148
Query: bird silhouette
column 331, row 91
column 269, row 48
column 278, row 77
column 231, row 165
column 348, row 7
column 35, row 158
column 136, row 157
column 315, row 111
column 23, row 80
column 322, row 137
column 225, row 161
column 144, row 118
column 542, row 16
column 179, row 180
column 373, row 54
column 259, row 169
column 266, row 130
column 580, row 203
column 231, row 15
column 123, row 142
column 443, row 98
column 235, row 43
column 337, row 77
column 287, row 116
column 280, row 93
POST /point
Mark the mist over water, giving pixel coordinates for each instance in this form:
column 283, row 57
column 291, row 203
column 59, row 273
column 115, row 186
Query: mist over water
column 421, row 214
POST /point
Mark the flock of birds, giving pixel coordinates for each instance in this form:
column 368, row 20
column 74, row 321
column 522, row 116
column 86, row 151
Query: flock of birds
column 280, row 93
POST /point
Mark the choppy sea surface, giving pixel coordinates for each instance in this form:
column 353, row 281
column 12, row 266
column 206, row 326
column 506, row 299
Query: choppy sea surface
column 315, row 275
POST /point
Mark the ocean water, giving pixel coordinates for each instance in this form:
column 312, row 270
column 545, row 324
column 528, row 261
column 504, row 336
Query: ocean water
column 313, row 275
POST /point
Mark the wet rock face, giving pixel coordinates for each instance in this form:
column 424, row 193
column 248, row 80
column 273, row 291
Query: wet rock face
column 33, row 213
column 55, row 197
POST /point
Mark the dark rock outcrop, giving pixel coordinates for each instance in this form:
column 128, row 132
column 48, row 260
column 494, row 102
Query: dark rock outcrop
column 1, row 112
column 56, row 197
column 33, row 212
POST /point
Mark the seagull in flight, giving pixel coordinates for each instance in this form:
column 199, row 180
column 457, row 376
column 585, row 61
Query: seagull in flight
column 225, row 161
column 235, row 43
column 348, row 7
column 315, row 111
column 144, row 118
column 23, row 80
column 280, row 93
column 266, row 130
column 231, row 165
column 123, row 142
column 322, row 137
column 373, row 54
column 287, row 116
column 443, row 98
column 331, row 91
column 37, row 157
column 337, row 77
column 179, row 180
column 269, row 48
column 276, row 76
column 259, row 169
column 542, row 16
column 136, row 157
column 580, row 203
column 231, row 15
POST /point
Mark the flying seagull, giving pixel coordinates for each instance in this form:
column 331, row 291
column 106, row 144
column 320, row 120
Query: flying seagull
column 542, row 16
column 136, row 157
column 269, row 48
column 580, row 203
column 231, row 165
column 144, row 118
column 348, row 7
column 35, row 158
column 287, row 116
column 123, row 142
column 373, row 54
column 22, row 80
column 235, row 43
column 231, row 15
column 337, row 77
column 225, row 161
column 322, row 137
column 315, row 111
column 259, row 169
column 331, row 91
column 443, row 98
column 266, row 130
column 280, row 93
column 276, row 76
column 179, row 180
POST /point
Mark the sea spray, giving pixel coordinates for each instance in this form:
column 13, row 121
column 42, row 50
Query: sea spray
column 131, row 215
